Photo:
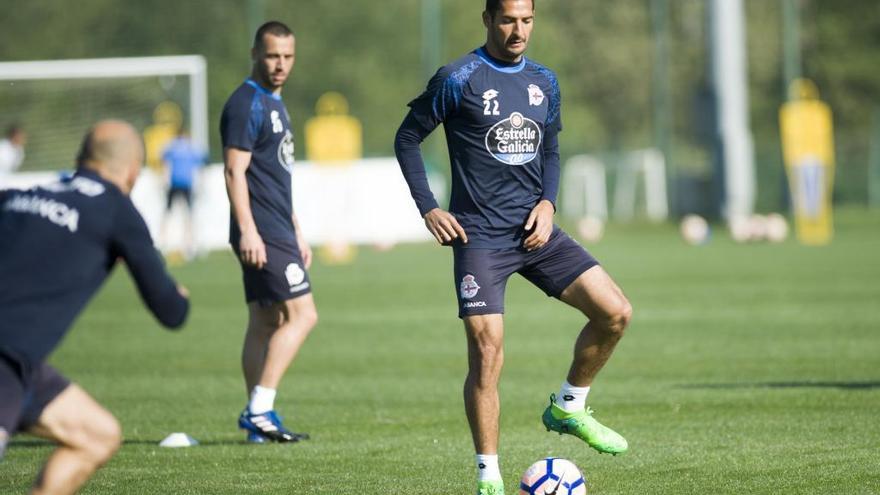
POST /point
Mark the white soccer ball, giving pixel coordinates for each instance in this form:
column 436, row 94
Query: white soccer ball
column 757, row 227
column 776, row 228
column 694, row 229
column 740, row 228
column 591, row 229
column 553, row 475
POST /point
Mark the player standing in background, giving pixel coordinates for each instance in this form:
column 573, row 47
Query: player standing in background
column 182, row 159
column 58, row 243
column 258, row 153
column 12, row 150
column 501, row 115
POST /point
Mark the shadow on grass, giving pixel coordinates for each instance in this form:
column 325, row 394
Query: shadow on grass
column 38, row 443
column 867, row 385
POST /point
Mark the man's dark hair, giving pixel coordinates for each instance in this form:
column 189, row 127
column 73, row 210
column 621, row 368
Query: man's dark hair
column 275, row 28
column 493, row 6
column 13, row 129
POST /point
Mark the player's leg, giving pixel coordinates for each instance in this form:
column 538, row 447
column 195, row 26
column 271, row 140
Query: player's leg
column 485, row 336
column 609, row 312
column 164, row 234
column 297, row 319
column 87, row 436
column 12, row 391
column 189, row 246
column 565, row 270
column 480, row 279
column 596, row 295
column 262, row 322
column 281, row 315
column 274, row 336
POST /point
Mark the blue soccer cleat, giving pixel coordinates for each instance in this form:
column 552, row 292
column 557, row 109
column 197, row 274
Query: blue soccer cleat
column 256, row 438
column 268, row 426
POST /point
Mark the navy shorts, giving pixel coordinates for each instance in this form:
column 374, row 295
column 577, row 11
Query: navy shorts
column 25, row 391
column 283, row 277
column 481, row 274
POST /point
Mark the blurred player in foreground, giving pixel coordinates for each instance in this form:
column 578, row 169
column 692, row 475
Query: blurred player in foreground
column 501, row 113
column 264, row 232
column 58, row 243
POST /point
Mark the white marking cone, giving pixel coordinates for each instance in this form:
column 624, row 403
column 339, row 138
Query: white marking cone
column 175, row 440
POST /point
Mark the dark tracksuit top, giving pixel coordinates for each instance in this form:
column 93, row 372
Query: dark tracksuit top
column 501, row 122
column 58, row 243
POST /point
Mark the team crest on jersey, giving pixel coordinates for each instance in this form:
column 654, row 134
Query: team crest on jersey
column 277, row 125
column 514, row 140
column 536, row 96
column 294, row 274
column 469, row 287
column 285, row 151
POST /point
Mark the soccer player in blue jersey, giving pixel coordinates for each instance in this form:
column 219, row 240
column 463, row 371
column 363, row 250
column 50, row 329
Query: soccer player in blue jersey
column 264, row 232
column 58, row 242
column 183, row 158
column 501, row 116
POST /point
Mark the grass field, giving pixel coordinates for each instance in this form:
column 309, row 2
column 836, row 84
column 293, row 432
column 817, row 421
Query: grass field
column 747, row 369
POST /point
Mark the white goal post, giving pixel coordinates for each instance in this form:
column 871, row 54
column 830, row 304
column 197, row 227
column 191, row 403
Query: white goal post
column 193, row 66
column 584, row 186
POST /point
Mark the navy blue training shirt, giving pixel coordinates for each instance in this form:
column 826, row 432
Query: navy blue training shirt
column 501, row 122
column 254, row 119
column 58, row 242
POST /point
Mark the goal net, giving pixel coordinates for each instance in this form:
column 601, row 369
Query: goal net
column 56, row 101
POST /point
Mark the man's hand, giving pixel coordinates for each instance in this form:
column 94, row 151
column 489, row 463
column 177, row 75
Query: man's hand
column 252, row 249
column 541, row 220
column 183, row 291
column 305, row 251
column 444, row 227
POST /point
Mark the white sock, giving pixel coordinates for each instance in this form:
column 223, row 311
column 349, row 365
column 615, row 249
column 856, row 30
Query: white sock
column 262, row 400
column 571, row 398
column 487, row 468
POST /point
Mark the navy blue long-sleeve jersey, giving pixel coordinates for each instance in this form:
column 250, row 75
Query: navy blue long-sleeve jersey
column 501, row 122
column 58, row 243
column 256, row 120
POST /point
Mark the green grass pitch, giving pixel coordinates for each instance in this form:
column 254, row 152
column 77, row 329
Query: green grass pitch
column 747, row 369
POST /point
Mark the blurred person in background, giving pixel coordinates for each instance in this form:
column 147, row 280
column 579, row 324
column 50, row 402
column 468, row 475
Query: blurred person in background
column 182, row 160
column 502, row 115
column 264, row 231
column 58, row 243
column 12, row 150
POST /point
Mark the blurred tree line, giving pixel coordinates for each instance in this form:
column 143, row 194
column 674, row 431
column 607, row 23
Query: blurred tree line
column 603, row 53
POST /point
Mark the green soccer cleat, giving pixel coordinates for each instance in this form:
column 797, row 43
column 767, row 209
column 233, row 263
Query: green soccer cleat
column 490, row 488
column 582, row 425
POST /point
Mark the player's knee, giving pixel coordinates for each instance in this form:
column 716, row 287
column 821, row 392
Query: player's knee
column 262, row 325
column 97, row 441
column 303, row 315
column 309, row 318
column 488, row 351
column 485, row 342
column 620, row 316
column 106, row 438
